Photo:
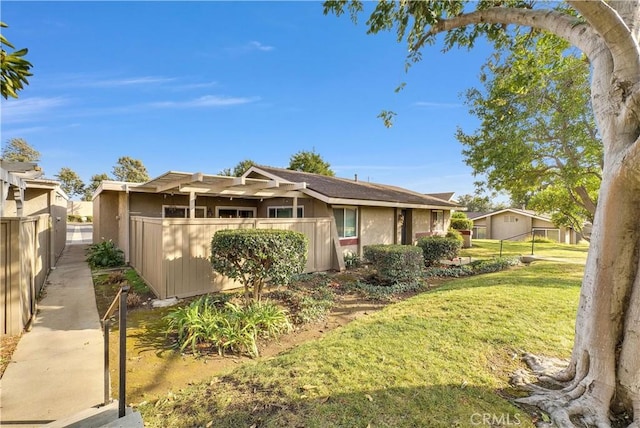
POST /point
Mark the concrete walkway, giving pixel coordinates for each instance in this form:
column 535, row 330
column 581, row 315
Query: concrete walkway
column 57, row 368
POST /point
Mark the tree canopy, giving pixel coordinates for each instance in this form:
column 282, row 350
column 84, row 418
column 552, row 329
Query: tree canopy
column 477, row 203
column 14, row 69
column 90, row 188
column 240, row 168
column 70, row 181
column 310, row 161
column 129, row 169
column 537, row 140
column 18, row 150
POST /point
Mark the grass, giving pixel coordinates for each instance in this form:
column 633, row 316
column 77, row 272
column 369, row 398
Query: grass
column 486, row 248
column 434, row 360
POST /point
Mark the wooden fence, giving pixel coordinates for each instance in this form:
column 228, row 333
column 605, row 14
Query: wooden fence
column 25, row 256
column 172, row 255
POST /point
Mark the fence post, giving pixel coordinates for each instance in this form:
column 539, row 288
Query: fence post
column 533, row 239
column 123, row 352
column 107, row 388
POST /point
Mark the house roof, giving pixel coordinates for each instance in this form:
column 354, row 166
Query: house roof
column 527, row 213
column 446, row 196
column 334, row 190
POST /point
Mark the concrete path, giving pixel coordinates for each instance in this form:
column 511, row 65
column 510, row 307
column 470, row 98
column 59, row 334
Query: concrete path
column 57, row 368
column 79, row 233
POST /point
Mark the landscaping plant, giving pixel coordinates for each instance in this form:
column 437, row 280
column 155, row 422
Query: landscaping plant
column 436, row 248
column 255, row 256
column 104, row 254
column 395, row 263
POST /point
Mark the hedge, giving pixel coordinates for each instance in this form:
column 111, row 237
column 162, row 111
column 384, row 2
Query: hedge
column 436, row 248
column 395, row 263
column 255, row 256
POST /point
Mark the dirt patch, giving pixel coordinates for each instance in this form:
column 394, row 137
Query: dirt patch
column 8, row 344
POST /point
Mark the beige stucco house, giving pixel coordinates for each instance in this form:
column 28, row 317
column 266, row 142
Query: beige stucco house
column 165, row 225
column 517, row 225
column 33, row 224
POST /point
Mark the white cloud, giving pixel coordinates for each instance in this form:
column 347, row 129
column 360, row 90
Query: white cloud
column 128, row 81
column 253, row 45
column 28, row 109
column 206, row 101
column 436, row 104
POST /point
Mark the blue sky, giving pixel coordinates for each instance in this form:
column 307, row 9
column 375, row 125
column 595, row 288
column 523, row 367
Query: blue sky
column 200, row 86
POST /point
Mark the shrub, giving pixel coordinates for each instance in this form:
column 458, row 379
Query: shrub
column 307, row 304
column 227, row 327
column 104, row 254
column 254, row 256
column 436, row 248
column 395, row 263
column 453, row 233
column 376, row 292
column 351, row 260
column 460, row 221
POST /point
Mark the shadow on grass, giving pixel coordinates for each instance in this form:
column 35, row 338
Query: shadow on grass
column 233, row 405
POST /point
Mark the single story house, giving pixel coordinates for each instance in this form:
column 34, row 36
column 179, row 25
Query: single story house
column 165, row 225
column 33, row 223
column 517, row 225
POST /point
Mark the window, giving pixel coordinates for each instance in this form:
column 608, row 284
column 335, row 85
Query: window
column 346, row 221
column 181, row 211
column 480, row 232
column 235, row 212
column 510, row 219
column 553, row 234
column 284, row 212
column 437, row 220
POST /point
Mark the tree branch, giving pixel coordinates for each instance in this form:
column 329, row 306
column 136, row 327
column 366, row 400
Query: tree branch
column 564, row 26
column 616, row 34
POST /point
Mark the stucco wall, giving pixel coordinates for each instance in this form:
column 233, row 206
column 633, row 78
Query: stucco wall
column 502, row 229
column 105, row 217
column 377, row 226
column 81, row 208
column 421, row 223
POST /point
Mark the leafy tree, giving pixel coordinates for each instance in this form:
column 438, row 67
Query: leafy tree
column 90, row 188
column 18, row 150
column 477, row 203
column 70, row 181
column 310, row 162
column 538, row 140
column 129, row 169
column 603, row 376
column 242, row 167
column 14, row 68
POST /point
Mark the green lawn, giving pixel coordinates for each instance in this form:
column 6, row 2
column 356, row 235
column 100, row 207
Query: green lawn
column 485, row 248
column 439, row 359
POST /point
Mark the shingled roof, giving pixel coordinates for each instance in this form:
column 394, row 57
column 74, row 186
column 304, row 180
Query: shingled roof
column 337, row 190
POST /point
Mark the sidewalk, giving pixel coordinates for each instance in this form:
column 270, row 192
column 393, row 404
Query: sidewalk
column 57, row 368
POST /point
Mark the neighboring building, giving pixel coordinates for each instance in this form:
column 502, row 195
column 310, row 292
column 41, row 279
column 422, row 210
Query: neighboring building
column 517, row 225
column 178, row 213
column 32, row 237
column 82, row 209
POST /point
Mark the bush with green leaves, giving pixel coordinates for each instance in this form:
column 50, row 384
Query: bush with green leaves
column 104, row 254
column 212, row 322
column 460, row 221
column 306, row 304
column 395, row 263
column 474, row 268
column 255, row 256
column 436, row 248
column 455, row 234
column 377, row 292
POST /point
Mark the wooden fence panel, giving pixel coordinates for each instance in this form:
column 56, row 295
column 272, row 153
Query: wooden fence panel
column 172, row 255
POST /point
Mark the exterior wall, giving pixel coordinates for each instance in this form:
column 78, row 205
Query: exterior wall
column 502, row 229
column 421, row 223
column 25, row 252
column 172, row 255
column 81, row 208
column 105, row 217
column 376, row 226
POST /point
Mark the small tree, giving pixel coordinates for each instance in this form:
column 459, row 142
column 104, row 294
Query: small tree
column 436, row 248
column 129, row 169
column 306, row 161
column 96, row 179
column 240, row 168
column 460, row 221
column 257, row 256
column 18, row 150
column 70, row 181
